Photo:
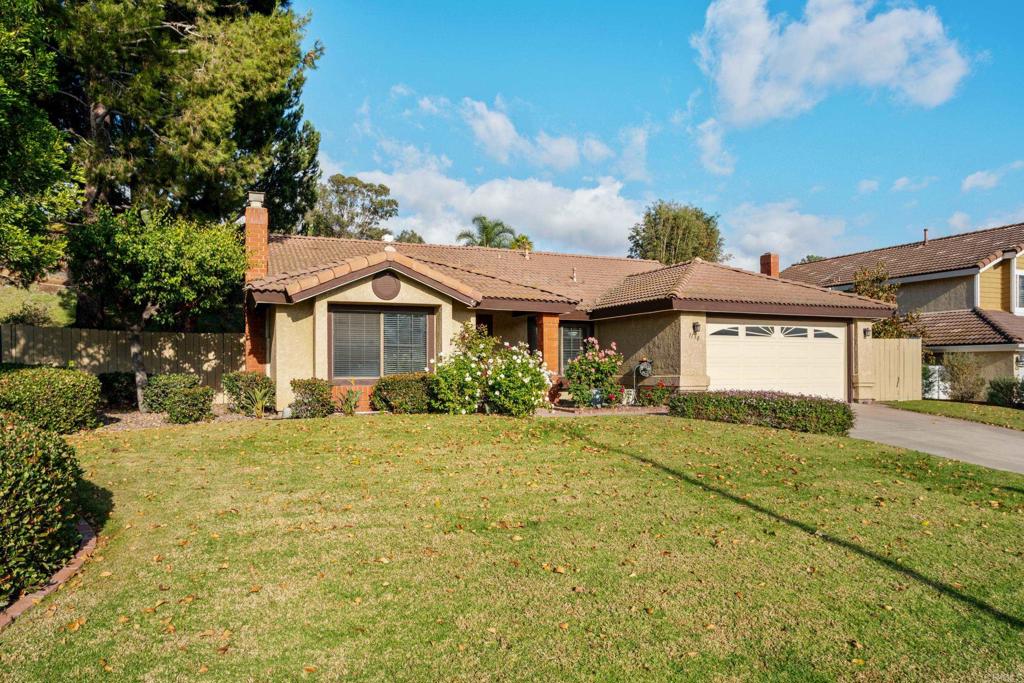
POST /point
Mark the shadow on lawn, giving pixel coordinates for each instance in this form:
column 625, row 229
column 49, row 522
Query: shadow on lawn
column 810, row 530
column 97, row 503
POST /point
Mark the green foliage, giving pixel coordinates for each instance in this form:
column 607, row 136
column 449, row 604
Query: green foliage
column 349, row 207
column 457, row 385
column 405, row 393
column 962, row 374
column 60, row 400
column 811, row 258
column 474, row 341
column 595, row 369
column 39, row 481
column 312, row 398
column 487, row 233
column 159, row 389
column 186, row 105
column 117, row 389
column 656, row 395
column 874, row 284
column 928, row 380
column 30, row 313
column 516, row 383
column 1007, row 392
column 521, row 241
column 672, row 233
column 768, row 409
column 249, row 392
column 348, row 402
column 410, row 237
column 60, row 305
column 185, row 405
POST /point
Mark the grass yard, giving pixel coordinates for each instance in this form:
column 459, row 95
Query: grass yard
column 475, row 548
column 61, row 306
column 975, row 412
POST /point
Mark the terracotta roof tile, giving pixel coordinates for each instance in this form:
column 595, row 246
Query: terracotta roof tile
column 972, row 326
column 699, row 280
column 969, row 250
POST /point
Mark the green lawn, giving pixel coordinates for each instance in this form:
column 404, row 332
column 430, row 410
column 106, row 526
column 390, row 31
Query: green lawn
column 61, row 306
column 975, row 412
column 475, row 548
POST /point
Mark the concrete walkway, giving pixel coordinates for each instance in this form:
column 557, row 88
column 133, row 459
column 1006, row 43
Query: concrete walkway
column 995, row 447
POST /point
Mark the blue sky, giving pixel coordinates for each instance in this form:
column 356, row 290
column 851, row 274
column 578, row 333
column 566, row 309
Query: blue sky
column 825, row 127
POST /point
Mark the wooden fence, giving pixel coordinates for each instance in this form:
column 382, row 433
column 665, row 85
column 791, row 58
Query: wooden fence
column 96, row 351
column 897, row 369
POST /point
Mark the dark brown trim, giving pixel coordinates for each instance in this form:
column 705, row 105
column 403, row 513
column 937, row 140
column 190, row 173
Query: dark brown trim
column 370, row 381
column 268, row 297
column 490, row 303
column 575, row 315
column 795, row 310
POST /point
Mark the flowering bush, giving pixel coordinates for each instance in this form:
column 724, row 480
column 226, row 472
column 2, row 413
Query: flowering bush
column 657, row 395
column 456, row 386
column 517, row 381
column 595, row 369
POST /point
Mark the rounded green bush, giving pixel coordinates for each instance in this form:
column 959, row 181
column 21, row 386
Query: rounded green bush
column 766, row 408
column 404, row 393
column 62, row 400
column 159, row 387
column 249, row 392
column 1007, row 392
column 39, row 479
column 189, row 404
column 312, row 398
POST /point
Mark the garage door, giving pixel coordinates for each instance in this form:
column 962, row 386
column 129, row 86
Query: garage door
column 791, row 356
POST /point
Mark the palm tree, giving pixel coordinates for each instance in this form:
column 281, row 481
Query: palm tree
column 488, row 233
column 521, row 241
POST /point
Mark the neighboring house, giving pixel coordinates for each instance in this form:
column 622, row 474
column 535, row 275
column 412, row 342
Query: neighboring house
column 353, row 310
column 968, row 288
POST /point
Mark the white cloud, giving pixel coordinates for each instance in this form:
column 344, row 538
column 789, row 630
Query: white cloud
column 867, row 186
column 753, row 229
column 959, row 220
column 596, row 151
column 713, row 155
column 907, row 184
column 767, row 67
column 401, row 90
column 560, row 153
column 433, row 105
column 633, row 158
column 495, row 132
column 986, row 180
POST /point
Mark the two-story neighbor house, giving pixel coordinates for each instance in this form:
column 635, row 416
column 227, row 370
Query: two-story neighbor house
column 969, row 290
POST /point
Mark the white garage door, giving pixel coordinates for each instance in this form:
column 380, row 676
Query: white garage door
column 791, row 356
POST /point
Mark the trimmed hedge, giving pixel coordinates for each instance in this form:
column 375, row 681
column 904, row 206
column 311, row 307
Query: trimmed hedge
column 406, row 393
column 249, row 392
column 189, row 404
column 1007, row 392
column 39, row 480
column 117, row 389
column 60, row 400
column 312, row 398
column 159, row 387
column 768, row 409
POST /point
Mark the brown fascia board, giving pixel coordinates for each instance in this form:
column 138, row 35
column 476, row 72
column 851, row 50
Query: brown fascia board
column 490, row 303
column 797, row 310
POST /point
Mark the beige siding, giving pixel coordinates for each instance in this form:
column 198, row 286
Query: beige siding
column 948, row 294
column 657, row 337
column 98, row 351
column 509, row 327
column 995, row 287
column 897, row 369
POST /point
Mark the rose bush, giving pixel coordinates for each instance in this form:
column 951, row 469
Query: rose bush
column 595, row 369
column 456, row 386
column 517, row 381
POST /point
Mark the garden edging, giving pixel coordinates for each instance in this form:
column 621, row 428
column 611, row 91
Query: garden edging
column 25, row 602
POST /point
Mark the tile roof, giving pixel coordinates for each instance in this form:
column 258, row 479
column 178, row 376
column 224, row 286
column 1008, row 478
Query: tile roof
column 499, row 273
column 969, row 250
column 972, row 326
column 703, row 281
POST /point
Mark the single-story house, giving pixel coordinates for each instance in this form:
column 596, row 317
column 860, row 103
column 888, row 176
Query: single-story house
column 351, row 311
column 968, row 289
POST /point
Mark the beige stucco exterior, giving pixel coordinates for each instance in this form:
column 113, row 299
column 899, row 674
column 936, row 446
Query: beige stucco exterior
column 678, row 358
column 947, row 294
column 511, row 328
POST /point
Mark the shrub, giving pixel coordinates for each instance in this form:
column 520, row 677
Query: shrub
column 768, row 409
column 61, row 400
column 474, row 341
column 406, row 393
column 1007, row 392
column 39, row 479
column 249, row 392
column 594, row 369
column 312, row 398
column 189, row 404
column 656, row 395
column 30, row 313
column 348, row 402
column 961, row 372
column 456, row 387
column 517, row 381
column 117, row 389
column 159, row 387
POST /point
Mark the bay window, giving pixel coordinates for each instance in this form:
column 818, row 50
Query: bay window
column 367, row 343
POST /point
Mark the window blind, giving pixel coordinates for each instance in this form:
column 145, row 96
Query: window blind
column 356, row 344
column 405, row 342
column 571, row 343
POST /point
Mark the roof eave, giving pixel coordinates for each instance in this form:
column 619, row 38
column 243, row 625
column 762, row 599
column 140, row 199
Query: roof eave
column 700, row 305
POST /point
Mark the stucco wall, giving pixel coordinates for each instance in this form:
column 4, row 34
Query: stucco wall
column 655, row 337
column 991, row 364
column 949, row 294
column 291, row 348
column 510, row 328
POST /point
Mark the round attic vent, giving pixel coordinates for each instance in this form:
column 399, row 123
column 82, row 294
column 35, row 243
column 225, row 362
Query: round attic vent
column 386, row 286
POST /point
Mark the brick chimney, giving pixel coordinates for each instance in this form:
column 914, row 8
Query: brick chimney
column 770, row 264
column 257, row 226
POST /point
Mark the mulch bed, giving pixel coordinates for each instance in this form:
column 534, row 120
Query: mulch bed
column 120, row 421
column 564, row 411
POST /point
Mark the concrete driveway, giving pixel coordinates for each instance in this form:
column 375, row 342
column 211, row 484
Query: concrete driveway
column 995, row 447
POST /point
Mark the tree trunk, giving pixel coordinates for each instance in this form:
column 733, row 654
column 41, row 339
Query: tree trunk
column 135, row 346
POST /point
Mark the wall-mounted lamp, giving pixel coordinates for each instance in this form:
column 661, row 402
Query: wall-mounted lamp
column 696, row 327
column 867, row 332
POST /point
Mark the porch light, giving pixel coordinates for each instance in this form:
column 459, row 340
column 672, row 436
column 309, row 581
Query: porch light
column 696, row 327
column 867, row 332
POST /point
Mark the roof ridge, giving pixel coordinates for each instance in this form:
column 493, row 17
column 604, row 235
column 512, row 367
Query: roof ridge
column 919, row 243
column 796, row 282
column 465, row 246
column 494, row 277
